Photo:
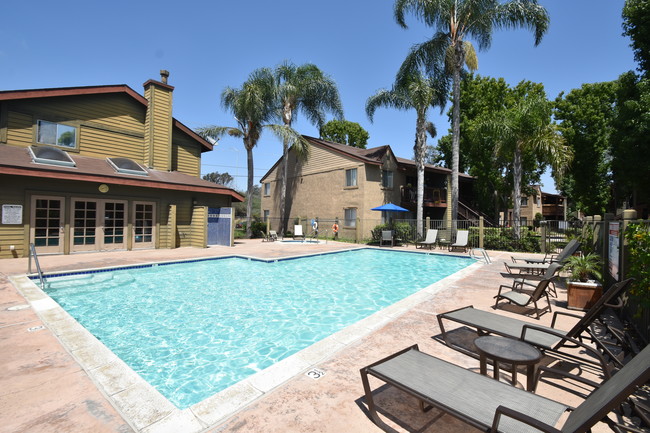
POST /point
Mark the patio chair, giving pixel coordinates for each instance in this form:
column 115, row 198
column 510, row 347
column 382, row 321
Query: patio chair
column 297, row 232
column 461, row 241
column 525, row 299
column 548, row 339
column 430, row 240
column 568, row 250
column 386, row 237
column 271, row 236
column 494, row 406
column 550, row 274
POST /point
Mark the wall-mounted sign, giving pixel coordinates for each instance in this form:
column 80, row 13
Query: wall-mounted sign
column 12, row 214
column 614, row 241
column 103, row 188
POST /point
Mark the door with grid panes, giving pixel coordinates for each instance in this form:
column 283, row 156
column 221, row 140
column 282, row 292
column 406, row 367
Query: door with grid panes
column 46, row 225
column 144, row 224
column 98, row 225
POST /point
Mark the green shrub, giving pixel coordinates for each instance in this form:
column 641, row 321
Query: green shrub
column 503, row 239
column 403, row 231
column 638, row 242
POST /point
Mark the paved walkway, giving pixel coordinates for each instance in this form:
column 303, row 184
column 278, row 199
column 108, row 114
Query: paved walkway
column 44, row 389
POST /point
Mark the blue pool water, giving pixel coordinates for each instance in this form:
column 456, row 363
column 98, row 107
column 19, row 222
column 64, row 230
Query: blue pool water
column 193, row 329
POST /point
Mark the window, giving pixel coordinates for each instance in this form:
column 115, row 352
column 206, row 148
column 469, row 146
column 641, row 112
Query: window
column 523, row 221
column 387, row 178
column 266, row 214
column 524, row 201
column 351, row 177
column 350, row 217
column 56, row 134
column 535, row 199
column 267, row 188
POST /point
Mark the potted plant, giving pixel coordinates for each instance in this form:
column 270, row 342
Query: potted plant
column 583, row 288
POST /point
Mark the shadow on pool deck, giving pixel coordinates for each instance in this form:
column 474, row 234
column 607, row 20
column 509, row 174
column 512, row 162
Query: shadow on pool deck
column 43, row 389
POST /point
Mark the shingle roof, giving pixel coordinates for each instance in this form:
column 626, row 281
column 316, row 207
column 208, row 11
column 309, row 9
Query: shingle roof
column 16, row 160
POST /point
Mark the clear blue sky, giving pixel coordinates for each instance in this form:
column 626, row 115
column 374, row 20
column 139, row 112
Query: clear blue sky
column 208, row 45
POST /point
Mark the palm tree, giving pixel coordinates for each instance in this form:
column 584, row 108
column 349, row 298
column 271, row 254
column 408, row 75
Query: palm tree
column 525, row 128
column 456, row 20
column 419, row 93
column 253, row 106
column 302, row 88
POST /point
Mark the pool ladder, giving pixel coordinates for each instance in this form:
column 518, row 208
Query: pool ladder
column 32, row 253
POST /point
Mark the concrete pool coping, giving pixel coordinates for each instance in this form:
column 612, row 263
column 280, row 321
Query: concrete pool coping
column 147, row 411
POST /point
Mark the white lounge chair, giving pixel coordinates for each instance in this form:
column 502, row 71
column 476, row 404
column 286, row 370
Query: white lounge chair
column 430, row 240
column 462, row 237
column 297, row 232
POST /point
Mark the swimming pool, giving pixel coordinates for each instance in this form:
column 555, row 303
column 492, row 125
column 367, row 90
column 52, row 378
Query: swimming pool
column 193, row 329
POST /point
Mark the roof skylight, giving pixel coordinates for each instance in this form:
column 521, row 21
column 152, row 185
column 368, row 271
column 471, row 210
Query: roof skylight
column 51, row 156
column 127, row 166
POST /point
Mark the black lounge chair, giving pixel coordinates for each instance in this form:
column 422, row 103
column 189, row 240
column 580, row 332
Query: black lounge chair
column 528, row 279
column 494, row 406
column 546, row 338
column 524, row 299
column 568, row 250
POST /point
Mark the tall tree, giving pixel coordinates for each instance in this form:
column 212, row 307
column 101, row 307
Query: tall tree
column 345, row 132
column 585, row 117
column 419, row 93
column 308, row 90
column 525, row 128
column 224, row 179
column 636, row 25
column 253, row 106
column 455, row 22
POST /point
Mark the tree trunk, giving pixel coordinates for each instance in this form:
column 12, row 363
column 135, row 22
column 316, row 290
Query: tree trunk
column 287, row 114
column 419, row 150
column 516, row 199
column 249, row 198
column 455, row 130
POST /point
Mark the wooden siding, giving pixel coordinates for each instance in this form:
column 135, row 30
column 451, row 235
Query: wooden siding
column 100, row 143
column 186, row 155
column 199, row 227
column 158, row 126
column 13, row 234
column 20, row 129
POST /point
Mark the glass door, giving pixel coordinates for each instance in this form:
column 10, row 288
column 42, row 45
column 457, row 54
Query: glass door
column 114, row 225
column 46, row 225
column 84, row 225
column 144, row 225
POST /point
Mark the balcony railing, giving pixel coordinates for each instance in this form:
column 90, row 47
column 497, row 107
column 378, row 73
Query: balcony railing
column 433, row 197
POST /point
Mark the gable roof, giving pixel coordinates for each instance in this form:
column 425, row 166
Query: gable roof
column 8, row 95
column 372, row 156
column 16, row 160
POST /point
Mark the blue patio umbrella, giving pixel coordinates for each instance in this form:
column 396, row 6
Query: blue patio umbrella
column 390, row 207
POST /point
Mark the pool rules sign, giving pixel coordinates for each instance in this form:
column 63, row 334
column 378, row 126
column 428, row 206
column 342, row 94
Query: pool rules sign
column 12, row 214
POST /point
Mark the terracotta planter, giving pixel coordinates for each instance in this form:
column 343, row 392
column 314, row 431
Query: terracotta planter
column 582, row 296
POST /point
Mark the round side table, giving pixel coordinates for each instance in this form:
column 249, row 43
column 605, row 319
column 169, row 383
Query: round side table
column 511, row 351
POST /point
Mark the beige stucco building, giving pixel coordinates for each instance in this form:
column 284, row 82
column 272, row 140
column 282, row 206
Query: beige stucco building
column 101, row 168
column 343, row 182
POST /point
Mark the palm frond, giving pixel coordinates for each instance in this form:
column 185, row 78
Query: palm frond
column 289, row 135
column 526, row 14
column 217, row 132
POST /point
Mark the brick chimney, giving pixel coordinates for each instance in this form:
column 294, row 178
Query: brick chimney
column 158, row 123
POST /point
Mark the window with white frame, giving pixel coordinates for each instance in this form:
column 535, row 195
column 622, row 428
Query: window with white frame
column 524, row 201
column 351, row 177
column 267, row 188
column 387, row 178
column 350, row 217
column 56, row 134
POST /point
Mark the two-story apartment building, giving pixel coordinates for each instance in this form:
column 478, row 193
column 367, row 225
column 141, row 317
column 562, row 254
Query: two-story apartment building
column 550, row 206
column 345, row 182
column 101, row 168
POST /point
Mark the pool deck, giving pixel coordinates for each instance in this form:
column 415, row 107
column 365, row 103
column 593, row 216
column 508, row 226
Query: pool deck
column 44, row 388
